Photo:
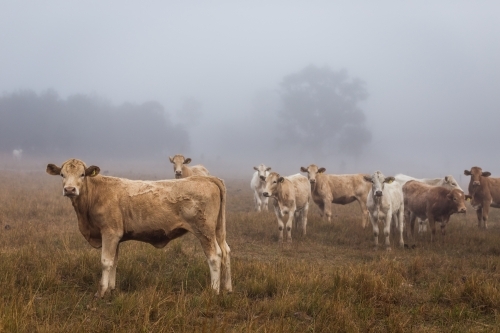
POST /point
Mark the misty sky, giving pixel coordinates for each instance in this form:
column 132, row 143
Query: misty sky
column 432, row 68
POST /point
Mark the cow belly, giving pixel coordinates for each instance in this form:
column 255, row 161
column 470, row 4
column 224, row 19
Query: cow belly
column 158, row 238
column 343, row 200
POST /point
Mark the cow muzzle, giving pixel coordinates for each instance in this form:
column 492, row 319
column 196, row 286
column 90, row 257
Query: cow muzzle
column 70, row 191
column 476, row 183
column 263, row 178
column 463, row 210
column 178, row 174
column 266, row 194
column 378, row 193
column 312, row 181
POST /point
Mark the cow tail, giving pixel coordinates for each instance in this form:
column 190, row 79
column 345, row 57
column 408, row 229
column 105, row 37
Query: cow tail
column 220, row 230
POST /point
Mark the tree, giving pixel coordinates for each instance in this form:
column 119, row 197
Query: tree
column 320, row 112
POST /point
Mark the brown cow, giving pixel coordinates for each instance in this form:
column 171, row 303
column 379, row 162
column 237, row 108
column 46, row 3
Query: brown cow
column 434, row 203
column 181, row 169
column 112, row 210
column 338, row 189
column 485, row 192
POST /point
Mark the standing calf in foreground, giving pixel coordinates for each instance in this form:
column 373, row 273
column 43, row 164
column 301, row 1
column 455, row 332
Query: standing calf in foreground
column 113, row 210
column 485, row 192
column 291, row 196
column 385, row 201
column 181, row 169
column 434, row 203
column 338, row 189
column 257, row 184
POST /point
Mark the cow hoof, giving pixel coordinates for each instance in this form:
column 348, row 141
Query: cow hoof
column 388, row 249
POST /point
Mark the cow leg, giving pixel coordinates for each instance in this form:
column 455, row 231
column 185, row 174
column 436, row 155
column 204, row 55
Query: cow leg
column 265, row 202
column 401, row 223
column 112, row 273
column 327, row 211
column 364, row 210
column 479, row 214
column 213, row 253
column 432, row 224
column 281, row 225
column 291, row 215
column 375, row 230
column 387, row 229
column 305, row 210
column 257, row 200
column 226, row 270
column 486, row 211
column 108, row 254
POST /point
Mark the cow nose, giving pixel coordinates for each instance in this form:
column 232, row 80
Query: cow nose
column 378, row 193
column 463, row 210
column 69, row 190
column 262, row 178
column 476, row 183
column 265, row 194
column 312, row 181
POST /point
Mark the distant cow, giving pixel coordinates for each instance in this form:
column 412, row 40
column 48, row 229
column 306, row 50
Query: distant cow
column 434, row 203
column 291, row 196
column 113, row 210
column 257, row 184
column 17, row 153
column 181, row 169
column 338, row 189
column 385, row 202
column 485, row 192
column 447, row 182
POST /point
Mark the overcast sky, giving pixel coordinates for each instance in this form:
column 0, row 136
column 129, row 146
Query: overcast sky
column 432, row 68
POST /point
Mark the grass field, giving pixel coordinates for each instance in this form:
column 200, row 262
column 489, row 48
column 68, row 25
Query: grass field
column 328, row 281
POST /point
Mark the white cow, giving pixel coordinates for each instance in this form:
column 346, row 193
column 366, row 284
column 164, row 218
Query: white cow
column 385, row 201
column 257, row 184
column 447, row 182
column 17, row 153
column 291, row 196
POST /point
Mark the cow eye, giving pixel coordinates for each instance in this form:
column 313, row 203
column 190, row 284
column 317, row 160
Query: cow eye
column 62, row 175
column 82, row 175
column 274, row 182
column 454, row 184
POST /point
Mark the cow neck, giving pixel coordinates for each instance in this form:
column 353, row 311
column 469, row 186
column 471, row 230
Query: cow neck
column 484, row 186
column 282, row 195
column 83, row 201
column 186, row 171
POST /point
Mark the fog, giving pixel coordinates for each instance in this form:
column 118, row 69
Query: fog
column 215, row 70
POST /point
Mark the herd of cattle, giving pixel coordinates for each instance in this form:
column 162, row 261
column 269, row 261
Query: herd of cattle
column 111, row 210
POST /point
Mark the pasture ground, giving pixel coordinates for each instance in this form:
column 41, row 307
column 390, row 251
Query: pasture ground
column 331, row 280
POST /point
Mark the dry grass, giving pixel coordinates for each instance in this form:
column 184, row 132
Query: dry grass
column 330, row 280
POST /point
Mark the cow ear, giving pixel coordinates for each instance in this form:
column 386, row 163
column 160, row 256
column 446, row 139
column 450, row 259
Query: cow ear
column 367, row 178
column 321, row 170
column 255, row 168
column 171, row 159
column 445, row 178
column 281, row 180
column 389, row 180
column 187, row 161
column 486, row 174
column 92, row 171
column 268, row 168
column 303, row 169
column 467, row 172
column 53, row 170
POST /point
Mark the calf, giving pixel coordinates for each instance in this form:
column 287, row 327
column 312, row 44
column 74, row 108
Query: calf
column 385, row 201
column 434, row 203
column 485, row 192
column 257, row 184
column 181, row 169
column 339, row 189
column 291, row 196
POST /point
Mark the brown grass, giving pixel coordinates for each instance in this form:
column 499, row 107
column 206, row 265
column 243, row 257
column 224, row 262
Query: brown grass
column 328, row 281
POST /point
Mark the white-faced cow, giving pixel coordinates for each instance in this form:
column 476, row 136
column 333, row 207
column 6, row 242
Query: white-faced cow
column 338, row 189
column 112, row 210
column 291, row 196
column 385, row 203
column 257, row 184
column 448, row 182
column 181, row 170
column 484, row 192
column 435, row 203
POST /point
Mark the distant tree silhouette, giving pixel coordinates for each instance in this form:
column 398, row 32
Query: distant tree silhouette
column 46, row 123
column 320, row 111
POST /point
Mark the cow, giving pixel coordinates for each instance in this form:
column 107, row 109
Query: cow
column 291, row 196
column 448, row 182
column 17, row 153
column 385, row 201
column 112, row 210
column 257, row 184
column 181, row 169
column 435, row 203
column 484, row 192
column 338, row 189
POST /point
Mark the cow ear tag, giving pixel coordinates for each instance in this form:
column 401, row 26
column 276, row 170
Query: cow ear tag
column 93, row 173
column 390, row 181
column 468, row 199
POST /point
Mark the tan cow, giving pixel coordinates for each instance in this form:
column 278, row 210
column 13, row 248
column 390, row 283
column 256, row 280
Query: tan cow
column 112, row 210
column 485, row 193
column 291, row 196
column 181, row 169
column 338, row 189
column 434, row 203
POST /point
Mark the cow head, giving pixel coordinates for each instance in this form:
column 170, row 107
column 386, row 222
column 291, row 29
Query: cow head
column 262, row 171
column 449, row 181
column 73, row 173
column 475, row 174
column 273, row 180
column 457, row 198
column 178, row 161
column 378, row 181
column 312, row 171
